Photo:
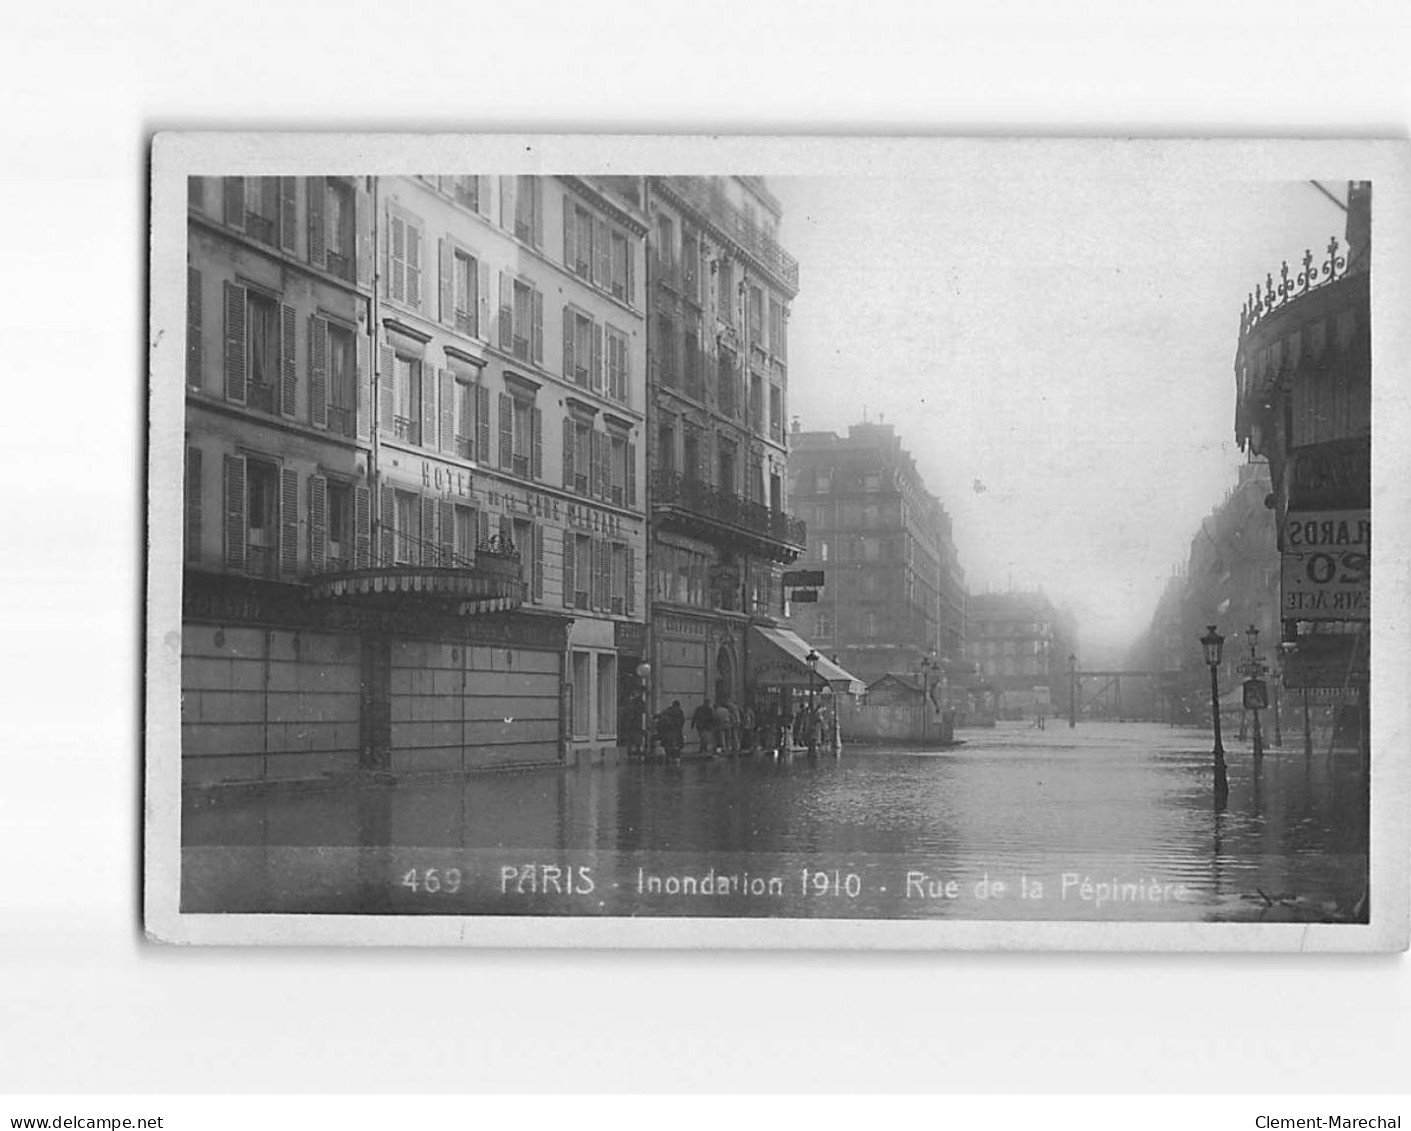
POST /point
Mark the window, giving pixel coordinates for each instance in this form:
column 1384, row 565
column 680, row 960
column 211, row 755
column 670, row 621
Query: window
column 581, row 689
column 464, row 282
column 666, row 246
column 464, row 409
column 823, row 480
column 405, row 522
column 262, row 209
column 262, row 518
column 607, row 695
column 870, row 624
column 340, row 255
column 582, row 361
column 691, row 454
column 823, row 623
column 582, row 569
column 528, row 218
column 621, row 270
column 404, row 260
column 340, row 526
column 693, row 366
column 725, row 382
column 690, row 265
column 618, row 579
column 823, row 551
column 466, row 191
column 666, row 449
column 406, row 424
column 523, row 535
column 342, row 375
column 776, row 413
column 666, row 349
column 582, row 456
column 725, row 299
column 618, row 470
column 757, row 402
column 582, row 259
column 617, row 365
column 523, row 417
column 465, row 536
column 756, row 316
column 523, row 320
column 776, row 327
column 726, row 467
column 262, row 350
column 755, row 486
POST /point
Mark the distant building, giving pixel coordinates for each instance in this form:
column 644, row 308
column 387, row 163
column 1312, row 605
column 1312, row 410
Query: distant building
column 894, row 593
column 1020, row 643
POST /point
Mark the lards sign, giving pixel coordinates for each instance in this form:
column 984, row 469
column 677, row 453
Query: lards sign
column 1326, row 565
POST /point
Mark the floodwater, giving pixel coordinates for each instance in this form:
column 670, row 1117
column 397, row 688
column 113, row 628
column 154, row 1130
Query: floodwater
column 1105, row 821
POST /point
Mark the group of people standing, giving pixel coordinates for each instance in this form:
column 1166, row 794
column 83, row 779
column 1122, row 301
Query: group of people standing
column 725, row 728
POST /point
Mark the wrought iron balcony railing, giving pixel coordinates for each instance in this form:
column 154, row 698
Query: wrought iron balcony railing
column 706, row 195
column 671, row 489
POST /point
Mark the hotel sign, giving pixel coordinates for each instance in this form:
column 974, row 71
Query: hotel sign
column 1326, row 566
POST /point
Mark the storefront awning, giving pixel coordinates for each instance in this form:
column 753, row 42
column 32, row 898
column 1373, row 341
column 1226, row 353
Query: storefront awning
column 780, row 659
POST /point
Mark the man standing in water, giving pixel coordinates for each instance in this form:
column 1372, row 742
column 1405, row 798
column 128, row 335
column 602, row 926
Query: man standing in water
column 703, row 719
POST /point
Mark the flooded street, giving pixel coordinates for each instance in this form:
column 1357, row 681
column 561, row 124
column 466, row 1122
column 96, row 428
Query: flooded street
column 1107, row 821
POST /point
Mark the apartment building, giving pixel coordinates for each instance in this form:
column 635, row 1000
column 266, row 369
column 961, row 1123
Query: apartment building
column 383, row 572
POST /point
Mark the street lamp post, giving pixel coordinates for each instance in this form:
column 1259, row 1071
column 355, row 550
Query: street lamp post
column 1072, row 690
column 928, row 665
column 1214, row 645
column 644, row 672
column 812, row 732
column 1252, row 634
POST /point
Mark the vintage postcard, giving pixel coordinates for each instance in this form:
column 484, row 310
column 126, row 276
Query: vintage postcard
column 641, row 541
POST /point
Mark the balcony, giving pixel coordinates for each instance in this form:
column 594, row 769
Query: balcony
column 708, row 199
column 696, row 508
column 401, row 568
column 405, row 428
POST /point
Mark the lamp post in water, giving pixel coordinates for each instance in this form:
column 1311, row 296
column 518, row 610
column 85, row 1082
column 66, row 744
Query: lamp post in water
column 1252, row 634
column 1072, row 690
column 928, row 665
column 1214, row 645
column 812, row 727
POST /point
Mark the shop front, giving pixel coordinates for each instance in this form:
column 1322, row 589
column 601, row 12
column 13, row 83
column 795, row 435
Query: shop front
column 789, row 680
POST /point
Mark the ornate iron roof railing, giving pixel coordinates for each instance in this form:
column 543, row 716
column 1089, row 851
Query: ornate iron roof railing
column 674, row 489
column 1270, row 296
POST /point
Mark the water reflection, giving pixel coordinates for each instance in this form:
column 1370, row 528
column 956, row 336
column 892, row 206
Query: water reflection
column 1106, row 822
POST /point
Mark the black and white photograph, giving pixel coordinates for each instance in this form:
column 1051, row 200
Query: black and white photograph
column 611, row 541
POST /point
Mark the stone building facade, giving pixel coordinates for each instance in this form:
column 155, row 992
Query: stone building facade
column 384, row 572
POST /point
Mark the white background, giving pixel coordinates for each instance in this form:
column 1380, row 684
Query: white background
column 86, row 1005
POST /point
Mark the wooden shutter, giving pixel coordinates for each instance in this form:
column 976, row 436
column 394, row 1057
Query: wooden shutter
column 506, row 430
column 506, row 312
column 536, row 462
column 193, row 327
column 536, row 189
column 234, row 201
column 288, row 214
column 568, row 317
column 568, row 439
column 315, row 192
column 428, row 404
column 482, row 301
column 362, row 524
column 318, row 523
column 236, row 365
column 387, row 524
column 595, row 462
column 448, row 411
column 568, row 567
column 235, row 513
column 363, row 227
column 507, row 203
column 288, row 373
column 482, row 424
column 602, row 255
column 631, row 475
column 570, row 233
column 536, row 538
column 318, row 371
column 387, row 387
column 446, row 517
column 397, row 259
column 427, row 553
column 605, row 468
column 537, row 335
column 413, row 265
column 596, row 376
column 288, row 522
column 631, row 579
column 364, row 406
column 193, row 505
column 602, row 574
column 482, row 528
column 447, row 260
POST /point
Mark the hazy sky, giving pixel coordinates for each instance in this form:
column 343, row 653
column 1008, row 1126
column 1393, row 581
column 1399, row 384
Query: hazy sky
column 1068, row 343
